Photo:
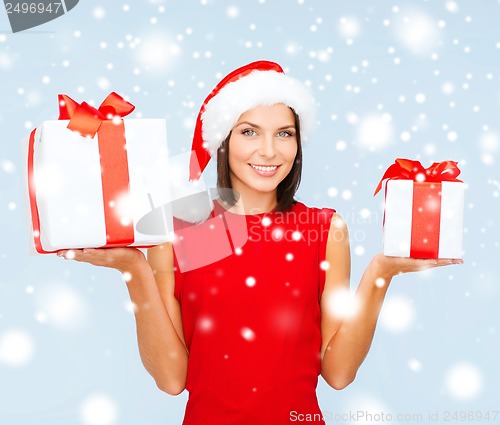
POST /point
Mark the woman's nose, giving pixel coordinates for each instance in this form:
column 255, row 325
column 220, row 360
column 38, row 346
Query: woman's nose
column 267, row 147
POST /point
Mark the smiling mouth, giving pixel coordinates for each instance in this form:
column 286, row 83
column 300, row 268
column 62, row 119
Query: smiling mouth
column 264, row 168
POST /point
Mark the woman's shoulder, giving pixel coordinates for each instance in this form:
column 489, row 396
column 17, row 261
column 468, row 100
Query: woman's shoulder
column 321, row 215
column 300, row 206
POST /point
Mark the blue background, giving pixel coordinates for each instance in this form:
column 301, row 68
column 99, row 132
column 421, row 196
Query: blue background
column 413, row 79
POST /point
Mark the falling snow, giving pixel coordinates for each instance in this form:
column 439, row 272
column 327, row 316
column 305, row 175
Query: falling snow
column 398, row 314
column 157, row 52
column 415, row 365
column 277, row 234
column 98, row 409
column 250, row 281
column 417, row 31
column 324, row 265
column 375, row 132
column 61, row 306
column 247, row 334
column 16, row 348
column 341, row 304
column 266, row 221
column 8, row 166
column 410, row 79
column 206, row 324
column 464, row 381
column 349, row 27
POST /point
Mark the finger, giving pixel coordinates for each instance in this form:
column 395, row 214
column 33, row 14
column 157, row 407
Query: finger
column 93, row 256
column 71, row 254
column 455, row 261
column 85, row 254
column 448, row 262
column 422, row 263
column 67, row 254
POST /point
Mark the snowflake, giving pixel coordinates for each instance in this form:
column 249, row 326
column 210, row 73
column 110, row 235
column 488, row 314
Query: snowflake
column 16, row 348
column 98, row 409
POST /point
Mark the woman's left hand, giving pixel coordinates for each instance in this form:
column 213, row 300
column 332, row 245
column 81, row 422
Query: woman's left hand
column 122, row 259
column 391, row 266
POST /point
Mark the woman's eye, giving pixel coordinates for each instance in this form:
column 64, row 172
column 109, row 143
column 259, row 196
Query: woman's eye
column 249, row 132
column 285, row 134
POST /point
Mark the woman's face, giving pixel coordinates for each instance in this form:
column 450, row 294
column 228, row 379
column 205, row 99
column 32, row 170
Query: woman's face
column 262, row 148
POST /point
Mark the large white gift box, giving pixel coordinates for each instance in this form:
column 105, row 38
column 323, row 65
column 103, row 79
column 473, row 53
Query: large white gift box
column 90, row 192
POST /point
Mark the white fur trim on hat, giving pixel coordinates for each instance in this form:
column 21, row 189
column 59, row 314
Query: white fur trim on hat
column 257, row 88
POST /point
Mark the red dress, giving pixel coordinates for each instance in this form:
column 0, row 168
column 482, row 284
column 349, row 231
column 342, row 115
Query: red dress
column 252, row 322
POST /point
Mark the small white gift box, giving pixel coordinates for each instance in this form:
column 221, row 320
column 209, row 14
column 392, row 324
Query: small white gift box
column 424, row 220
column 424, row 210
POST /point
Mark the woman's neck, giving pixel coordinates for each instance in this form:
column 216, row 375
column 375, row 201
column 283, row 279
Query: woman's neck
column 251, row 202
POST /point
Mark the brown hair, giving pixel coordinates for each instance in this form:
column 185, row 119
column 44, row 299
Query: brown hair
column 287, row 187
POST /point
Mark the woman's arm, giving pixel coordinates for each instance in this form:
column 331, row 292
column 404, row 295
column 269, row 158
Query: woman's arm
column 161, row 260
column 348, row 324
column 162, row 350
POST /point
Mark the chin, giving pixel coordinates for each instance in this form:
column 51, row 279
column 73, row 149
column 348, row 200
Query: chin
column 259, row 184
column 262, row 184
column 264, row 188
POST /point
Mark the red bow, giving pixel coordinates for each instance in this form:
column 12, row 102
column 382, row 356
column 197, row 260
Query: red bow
column 407, row 169
column 86, row 119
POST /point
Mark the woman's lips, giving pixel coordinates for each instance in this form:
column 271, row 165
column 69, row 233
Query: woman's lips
column 265, row 170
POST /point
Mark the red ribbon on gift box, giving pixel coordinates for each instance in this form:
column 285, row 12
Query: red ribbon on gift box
column 426, row 208
column 105, row 121
column 407, row 169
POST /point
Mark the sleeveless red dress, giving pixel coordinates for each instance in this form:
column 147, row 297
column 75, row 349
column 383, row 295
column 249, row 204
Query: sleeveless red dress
column 251, row 321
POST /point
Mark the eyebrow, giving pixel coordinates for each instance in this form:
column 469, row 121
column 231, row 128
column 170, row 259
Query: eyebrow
column 259, row 128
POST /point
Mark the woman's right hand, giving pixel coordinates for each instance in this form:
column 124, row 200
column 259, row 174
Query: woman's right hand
column 122, row 259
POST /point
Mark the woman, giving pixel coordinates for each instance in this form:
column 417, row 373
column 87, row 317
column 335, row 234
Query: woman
column 247, row 334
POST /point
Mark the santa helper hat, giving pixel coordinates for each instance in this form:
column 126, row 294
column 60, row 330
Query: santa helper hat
column 252, row 85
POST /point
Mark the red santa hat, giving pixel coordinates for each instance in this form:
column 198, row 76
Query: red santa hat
column 258, row 83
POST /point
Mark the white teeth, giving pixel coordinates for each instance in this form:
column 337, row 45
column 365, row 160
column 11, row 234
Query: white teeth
column 261, row 168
